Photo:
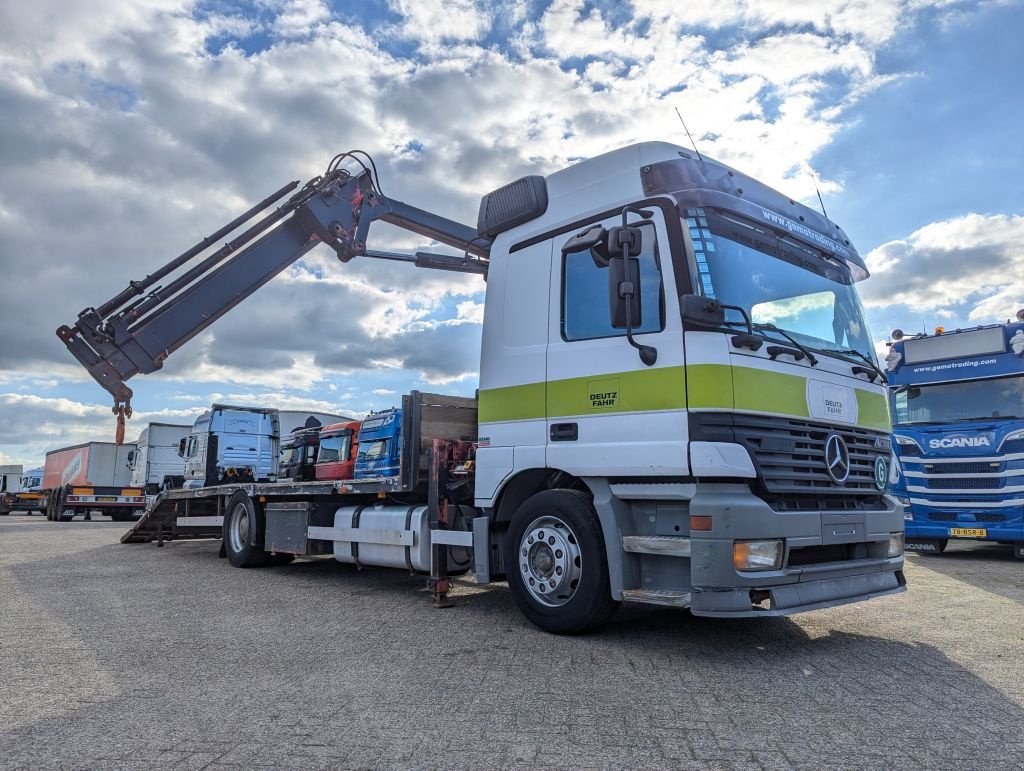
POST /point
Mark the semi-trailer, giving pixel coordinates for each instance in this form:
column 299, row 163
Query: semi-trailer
column 679, row 402
column 91, row 477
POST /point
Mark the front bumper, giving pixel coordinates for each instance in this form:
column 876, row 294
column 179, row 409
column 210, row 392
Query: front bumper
column 861, row 571
column 797, row 598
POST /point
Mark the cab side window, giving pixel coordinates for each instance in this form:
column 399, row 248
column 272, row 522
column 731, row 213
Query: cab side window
column 585, row 314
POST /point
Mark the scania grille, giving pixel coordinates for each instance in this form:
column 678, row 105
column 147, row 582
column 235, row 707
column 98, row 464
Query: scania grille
column 966, row 467
column 950, row 516
column 964, row 483
column 790, row 458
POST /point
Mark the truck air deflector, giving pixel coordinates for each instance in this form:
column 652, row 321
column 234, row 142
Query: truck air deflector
column 511, row 205
column 711, row 184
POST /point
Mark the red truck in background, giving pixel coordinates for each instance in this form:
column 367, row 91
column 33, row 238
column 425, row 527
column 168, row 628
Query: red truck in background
column 91, row 477
column 339, row 443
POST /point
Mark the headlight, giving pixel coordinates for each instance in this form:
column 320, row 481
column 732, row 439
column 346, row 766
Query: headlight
column 1011, row 437
column 906, row 441
column 757, row 555
column 895, row 544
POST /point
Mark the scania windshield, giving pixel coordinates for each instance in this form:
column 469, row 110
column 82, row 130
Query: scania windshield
column 778, row 281
column 963, row 401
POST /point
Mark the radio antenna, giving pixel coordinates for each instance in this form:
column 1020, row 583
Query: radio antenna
column 815, row 181
column 688, row 134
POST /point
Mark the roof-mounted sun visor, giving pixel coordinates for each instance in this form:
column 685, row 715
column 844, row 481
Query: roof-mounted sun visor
column 705, row 182
column 511, row 205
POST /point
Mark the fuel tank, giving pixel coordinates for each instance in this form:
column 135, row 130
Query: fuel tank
column 415, row 518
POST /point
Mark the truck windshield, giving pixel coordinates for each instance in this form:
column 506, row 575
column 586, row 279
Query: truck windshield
column 290, row 456
column 952, row 402
column 777, row 281
column 334, row 448
column 373, row 449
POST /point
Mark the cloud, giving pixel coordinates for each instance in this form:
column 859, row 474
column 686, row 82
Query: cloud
column 969, row 265
column 132, row 130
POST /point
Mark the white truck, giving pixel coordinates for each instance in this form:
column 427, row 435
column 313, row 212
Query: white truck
column 155, row 462
column 236, row 444
column 679, row 400
column 21, row 490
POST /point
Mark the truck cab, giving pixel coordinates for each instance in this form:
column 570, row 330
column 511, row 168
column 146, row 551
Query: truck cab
column 231, row 444
column 958, row 414
column 336, row 455
column 297, row 460
column 380, row 438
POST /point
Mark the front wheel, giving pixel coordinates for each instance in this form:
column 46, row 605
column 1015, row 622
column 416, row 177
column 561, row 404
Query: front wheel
column 556, row 563
column 243, row 532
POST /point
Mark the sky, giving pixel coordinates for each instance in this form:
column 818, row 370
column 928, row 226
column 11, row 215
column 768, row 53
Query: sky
column 132, row 130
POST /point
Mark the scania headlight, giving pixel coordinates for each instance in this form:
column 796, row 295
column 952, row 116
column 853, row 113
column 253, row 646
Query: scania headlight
column 1011, row 437
column 757, row 555
column 906, row 441
column 895, row 544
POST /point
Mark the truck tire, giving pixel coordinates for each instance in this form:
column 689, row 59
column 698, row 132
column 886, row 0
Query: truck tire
column 244, row 525
column 556, row 563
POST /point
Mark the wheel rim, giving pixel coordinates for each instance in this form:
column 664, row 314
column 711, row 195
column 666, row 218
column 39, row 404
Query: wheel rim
column 550, row 562
column 238, row 530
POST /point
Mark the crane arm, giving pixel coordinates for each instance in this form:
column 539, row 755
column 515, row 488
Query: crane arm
column 136, row 330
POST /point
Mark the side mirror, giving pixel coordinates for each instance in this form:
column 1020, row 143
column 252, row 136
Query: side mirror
column 701, row 311
column 181, row 447
column 624, row 292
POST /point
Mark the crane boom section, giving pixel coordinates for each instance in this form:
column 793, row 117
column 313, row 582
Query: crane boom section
column 141, row 326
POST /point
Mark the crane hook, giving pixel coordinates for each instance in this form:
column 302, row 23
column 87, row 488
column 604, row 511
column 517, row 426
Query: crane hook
column 119, row 432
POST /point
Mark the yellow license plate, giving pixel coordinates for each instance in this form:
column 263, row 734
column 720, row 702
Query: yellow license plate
column 106, row 498
column 968, row 532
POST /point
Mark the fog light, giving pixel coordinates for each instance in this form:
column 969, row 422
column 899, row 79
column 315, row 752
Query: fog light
column 757, row 555
column 895, row 544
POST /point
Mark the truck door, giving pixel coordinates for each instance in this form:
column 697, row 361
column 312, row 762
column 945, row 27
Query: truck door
column 609, row 414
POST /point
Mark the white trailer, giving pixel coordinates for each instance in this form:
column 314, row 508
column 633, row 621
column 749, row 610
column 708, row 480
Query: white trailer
column 91, row 477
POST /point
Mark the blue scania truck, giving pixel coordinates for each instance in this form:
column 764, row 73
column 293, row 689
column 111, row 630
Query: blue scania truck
column 958, row 421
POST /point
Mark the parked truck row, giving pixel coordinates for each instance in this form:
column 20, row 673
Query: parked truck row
column 679, row 401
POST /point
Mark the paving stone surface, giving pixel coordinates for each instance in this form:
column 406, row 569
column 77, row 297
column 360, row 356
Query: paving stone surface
column 117, row 656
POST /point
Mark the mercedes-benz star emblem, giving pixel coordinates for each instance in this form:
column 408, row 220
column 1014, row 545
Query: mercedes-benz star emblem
column 881, row 472
column 837, row 458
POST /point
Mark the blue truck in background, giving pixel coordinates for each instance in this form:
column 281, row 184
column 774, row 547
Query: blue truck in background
column 958, row 422
column 380, row 440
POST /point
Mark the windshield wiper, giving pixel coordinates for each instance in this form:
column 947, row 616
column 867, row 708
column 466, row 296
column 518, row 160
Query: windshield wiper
column 866, row 360
column 812, row 360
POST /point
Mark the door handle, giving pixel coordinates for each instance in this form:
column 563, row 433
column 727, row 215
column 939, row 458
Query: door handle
column 564, row 432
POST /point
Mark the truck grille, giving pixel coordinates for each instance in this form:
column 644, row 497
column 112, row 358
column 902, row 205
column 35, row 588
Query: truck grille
column 952, row 516
column 789, row 455
column 967, row 467
column 968, row 483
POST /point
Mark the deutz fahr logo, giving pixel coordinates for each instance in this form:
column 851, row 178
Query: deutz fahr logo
column 959, row 441
column 603, row 394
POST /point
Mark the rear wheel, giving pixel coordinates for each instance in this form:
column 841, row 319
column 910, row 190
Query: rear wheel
column 243, row 532
column 556, row 563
